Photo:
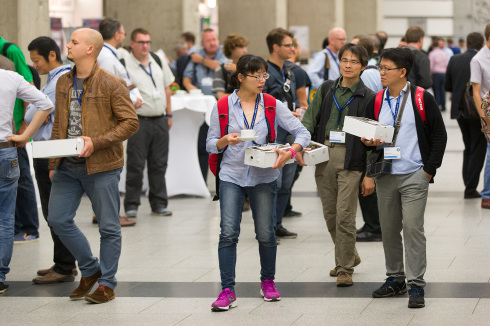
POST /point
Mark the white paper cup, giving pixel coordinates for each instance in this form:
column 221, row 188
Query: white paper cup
column 247, row 133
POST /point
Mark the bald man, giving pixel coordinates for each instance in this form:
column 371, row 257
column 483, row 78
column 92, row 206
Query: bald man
column 325, row 65
column 94, row 105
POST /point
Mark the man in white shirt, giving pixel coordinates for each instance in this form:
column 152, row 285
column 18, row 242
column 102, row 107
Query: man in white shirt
column 150, row 143
column 14, row 86
column 325, row 65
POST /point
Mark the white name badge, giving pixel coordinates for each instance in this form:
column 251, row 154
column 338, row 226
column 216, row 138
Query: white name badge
column 393, row 153
column 207, row 81
column 337, row 137
column 157, row 95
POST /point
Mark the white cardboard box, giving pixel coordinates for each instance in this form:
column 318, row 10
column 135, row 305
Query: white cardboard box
column 264, row 156
column 318, row 154
column 369, row 129
column 57, row 148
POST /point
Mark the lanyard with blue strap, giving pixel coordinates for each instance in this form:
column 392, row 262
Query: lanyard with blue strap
column 252, row 124
column 108, row 48
column 56, row 74
column 334, row 57
column 341, row 108
column 149, row 73
column 79, row 98
column 397, row 107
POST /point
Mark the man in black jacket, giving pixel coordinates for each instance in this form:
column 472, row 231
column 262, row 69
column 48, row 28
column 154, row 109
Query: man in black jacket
column 420, row 73
column 338, row 179
column 457, row 77
column 402, row 194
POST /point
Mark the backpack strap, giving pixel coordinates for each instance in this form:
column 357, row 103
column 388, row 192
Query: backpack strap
column 270, row 116
column 157, row 59
column 419, row 101
column 378, row 103
column 223, row 126
column 5, row 48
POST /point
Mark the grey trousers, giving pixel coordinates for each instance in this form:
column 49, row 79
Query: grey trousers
column 149, row 144
column 401, row 202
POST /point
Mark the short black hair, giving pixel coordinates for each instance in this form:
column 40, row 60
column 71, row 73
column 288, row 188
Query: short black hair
column 475, row 40
column 401, row 57
column 108, row 27
column 189, row 37
column 44, row 45
column 356, row 50
column 247, row 64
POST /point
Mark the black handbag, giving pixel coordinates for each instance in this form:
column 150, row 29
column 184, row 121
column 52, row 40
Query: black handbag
column 376, row 164
column 467, row 104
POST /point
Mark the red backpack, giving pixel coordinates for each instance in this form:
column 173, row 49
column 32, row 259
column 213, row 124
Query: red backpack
column 214, row 160
column 419, row 101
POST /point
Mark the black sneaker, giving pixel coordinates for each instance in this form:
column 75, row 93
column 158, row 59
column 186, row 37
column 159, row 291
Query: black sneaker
column 390, row 288
column 293, row 214
column 281, row 232
column 416, row 299
column 3, row 287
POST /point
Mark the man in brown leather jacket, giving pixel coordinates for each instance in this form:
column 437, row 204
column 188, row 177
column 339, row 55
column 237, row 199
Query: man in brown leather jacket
column 94, row 105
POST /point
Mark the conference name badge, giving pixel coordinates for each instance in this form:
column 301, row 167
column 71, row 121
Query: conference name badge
column 393, row 153
column 337, row 137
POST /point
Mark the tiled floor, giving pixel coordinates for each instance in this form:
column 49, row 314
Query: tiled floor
column 168, row 272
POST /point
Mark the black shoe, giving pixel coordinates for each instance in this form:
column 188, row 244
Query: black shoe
column 293, row 214
column 390, row 288
column 366, row 236
column 416, row 299
column 472, row 195
column 360, row 229
column 3, row 287
column 281, row 232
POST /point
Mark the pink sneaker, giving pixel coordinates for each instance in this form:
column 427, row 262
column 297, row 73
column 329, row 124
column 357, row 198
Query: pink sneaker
column 269, row 292
column 225, row 301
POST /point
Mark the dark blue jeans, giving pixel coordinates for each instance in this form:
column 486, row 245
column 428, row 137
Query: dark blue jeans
column 9, row 175
column 261, row 198
column 26, row 216
column 438, row 81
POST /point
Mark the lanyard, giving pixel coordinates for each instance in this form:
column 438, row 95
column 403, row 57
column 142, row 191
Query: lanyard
column 397, row 107
column 341, row 108
column 251, row 126
column 79, row 99
column 149, row 73
column 111, row 51
column 334, row 57
column 283, row 76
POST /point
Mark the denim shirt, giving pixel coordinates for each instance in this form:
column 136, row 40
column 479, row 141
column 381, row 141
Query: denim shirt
column 408, row 141
column 233, row 169
column 201, row 72
column 44, row 132
column 316, row 71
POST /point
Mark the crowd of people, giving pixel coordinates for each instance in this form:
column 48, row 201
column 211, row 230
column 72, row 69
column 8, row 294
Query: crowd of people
column 119, row 103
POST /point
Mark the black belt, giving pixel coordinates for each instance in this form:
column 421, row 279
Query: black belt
column 151, row 118
column 7, row 144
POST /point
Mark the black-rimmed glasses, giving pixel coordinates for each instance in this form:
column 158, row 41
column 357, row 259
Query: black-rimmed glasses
column 385, row 69
column 260, row 77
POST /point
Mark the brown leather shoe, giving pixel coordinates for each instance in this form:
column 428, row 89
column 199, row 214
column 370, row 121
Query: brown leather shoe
column 344, row 279
column 94, row 220
column 333, row 272
column 485, row 203
column 46, row 271
column 102, row 294
column 53, row 277
column 125, row 221
column 86, row 284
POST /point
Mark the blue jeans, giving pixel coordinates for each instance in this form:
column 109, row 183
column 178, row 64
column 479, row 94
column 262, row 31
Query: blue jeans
column 231, row 201
column 9, row 176
column 485, row 194
column 69, row 184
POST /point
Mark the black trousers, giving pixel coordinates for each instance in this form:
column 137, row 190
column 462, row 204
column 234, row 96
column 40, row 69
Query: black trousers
column 149, row 144
column 64, row 262
column 201, row 150
column 475, row 150
column 369, row 209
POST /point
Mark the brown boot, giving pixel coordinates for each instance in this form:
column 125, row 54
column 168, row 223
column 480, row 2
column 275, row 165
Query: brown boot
column 53, row 277
column 125, row 221
column 102, row 294
column 333, row 272
column 485, row 203
column 46, row 271
column 86, row 284
column 344, row 279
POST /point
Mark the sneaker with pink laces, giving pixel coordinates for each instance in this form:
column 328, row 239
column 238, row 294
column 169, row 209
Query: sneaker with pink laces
column 225, row 301
column 269, row 291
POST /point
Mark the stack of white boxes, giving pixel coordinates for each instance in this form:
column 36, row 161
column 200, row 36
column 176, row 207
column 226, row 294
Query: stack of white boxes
column 57, row 148
column 369, row 129
column 264, row 156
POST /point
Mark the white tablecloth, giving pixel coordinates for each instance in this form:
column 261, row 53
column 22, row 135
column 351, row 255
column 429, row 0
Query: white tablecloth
column 183, row 175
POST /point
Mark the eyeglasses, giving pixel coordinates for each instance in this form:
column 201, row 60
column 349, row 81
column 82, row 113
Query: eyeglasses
column 385, row 69
column 352, row 62
column 290, row 45
column 143, row 42
column 260, row 77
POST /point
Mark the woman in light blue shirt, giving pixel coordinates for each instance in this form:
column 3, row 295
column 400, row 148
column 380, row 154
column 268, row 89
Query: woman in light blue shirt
column 237, row 180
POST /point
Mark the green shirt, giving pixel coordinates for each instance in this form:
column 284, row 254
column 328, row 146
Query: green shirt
column 15, row 54
column 312, row 115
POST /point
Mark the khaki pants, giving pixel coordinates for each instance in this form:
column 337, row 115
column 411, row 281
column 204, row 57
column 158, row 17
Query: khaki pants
column 339, row 189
